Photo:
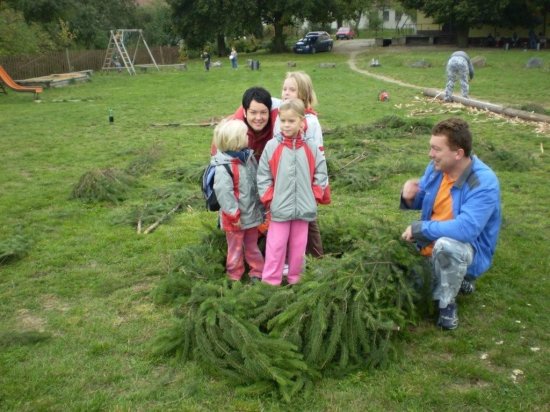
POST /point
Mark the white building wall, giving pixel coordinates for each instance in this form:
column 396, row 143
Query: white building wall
column 388, row 18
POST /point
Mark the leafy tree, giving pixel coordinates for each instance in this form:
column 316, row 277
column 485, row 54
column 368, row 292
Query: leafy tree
column 526, row 14
column 43, row 11
column 156, row 21
column 461, row 15
column 19, row 37
column 90, row 20
column 351, row 10
column 93, row 19
column 203, row 21
column 282, row 13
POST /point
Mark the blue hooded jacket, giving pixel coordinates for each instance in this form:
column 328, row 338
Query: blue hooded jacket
column 476, row 211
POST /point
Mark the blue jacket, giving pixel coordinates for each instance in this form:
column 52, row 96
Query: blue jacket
column 476, row 211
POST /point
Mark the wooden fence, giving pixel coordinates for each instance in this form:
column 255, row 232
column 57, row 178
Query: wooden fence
column 29, row 66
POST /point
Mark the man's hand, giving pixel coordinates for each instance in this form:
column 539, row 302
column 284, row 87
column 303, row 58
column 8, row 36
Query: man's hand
column 407, row 234
column 410, row 189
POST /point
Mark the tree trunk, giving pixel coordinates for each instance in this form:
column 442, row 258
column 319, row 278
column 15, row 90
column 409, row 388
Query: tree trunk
column 462, row 37
column 278, row 40
column 220, row 38
column 496, row 108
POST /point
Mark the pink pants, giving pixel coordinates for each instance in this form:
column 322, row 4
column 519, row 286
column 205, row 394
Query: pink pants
column 285, row 240
column 237, row 241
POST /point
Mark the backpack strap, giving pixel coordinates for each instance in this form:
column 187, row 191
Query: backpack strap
column 234, row 176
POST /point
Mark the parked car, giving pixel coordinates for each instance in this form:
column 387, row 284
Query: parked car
column 313, row 42
column 345, row 33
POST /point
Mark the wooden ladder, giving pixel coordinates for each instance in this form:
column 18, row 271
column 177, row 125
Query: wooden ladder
column 116, row 48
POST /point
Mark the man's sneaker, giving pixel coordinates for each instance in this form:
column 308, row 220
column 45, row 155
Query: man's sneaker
column 448, row 317
column 467, row 287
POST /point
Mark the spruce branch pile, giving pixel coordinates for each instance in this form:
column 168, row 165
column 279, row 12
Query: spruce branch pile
column 13, row 248
column 217, row 329
column 112, row 184
column 196, row 263
column 357, row 155
column 144, row 162
column 504, row 160
column 160, row 206
column 100, row 185
column 346, row 313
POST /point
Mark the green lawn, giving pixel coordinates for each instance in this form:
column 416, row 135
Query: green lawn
column 77, row 316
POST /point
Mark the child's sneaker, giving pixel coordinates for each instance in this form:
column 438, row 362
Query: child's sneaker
column 285, row 270
column 467, row 287
column 448, row 317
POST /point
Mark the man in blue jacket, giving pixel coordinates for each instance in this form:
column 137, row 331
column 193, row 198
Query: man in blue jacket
column 459, row 199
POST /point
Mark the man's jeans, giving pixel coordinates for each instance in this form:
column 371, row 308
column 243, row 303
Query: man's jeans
column 450, row 260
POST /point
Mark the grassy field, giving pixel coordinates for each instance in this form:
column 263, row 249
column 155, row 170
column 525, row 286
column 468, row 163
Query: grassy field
column 77, row 317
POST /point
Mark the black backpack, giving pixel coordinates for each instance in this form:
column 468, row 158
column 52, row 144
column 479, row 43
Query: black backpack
column 208, row 186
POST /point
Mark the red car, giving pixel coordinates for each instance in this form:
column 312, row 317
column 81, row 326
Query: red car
column 345, row 33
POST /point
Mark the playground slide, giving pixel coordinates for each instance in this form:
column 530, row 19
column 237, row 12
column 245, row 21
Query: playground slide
column 8, row 81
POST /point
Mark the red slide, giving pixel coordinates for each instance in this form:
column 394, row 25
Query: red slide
column 8, row 81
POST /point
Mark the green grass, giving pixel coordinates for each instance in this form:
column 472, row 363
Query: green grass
column 77, row 318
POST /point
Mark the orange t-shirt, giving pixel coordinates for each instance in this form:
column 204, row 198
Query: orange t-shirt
column 443, row 208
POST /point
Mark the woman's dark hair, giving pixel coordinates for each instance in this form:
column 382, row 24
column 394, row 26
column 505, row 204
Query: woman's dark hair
column 258, row 94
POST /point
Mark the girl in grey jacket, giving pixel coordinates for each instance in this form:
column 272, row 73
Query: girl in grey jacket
column 240, row 207
column 292, row 179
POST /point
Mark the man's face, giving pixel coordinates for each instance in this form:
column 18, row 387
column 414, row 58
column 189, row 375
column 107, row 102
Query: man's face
column 445, row 159
column 257, row 116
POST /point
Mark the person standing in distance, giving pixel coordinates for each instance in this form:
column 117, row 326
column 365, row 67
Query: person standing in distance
column 459, row 199
column 459, row 66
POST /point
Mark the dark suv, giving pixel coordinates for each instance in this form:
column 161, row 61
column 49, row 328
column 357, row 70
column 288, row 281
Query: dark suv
column 313, row 42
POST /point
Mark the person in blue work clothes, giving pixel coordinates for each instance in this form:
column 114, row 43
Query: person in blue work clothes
column 459, row 66
column 459, row 199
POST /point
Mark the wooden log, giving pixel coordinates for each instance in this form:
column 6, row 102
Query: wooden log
column 162, row 219
column 495, row 108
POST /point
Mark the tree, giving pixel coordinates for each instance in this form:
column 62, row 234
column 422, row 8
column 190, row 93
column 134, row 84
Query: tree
column 202, row 21
column 19, row 37
column 526, row 14
column 352, row 10
column 156, row 21
column 281, row 13
column 461, row 15
column 90, row 20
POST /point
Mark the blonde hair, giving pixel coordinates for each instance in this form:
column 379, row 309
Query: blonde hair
column 305, row 87
column 295, row 105
column 231, row 135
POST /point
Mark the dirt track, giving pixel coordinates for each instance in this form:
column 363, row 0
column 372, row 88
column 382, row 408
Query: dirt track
column 355, row 47
column 359, row 46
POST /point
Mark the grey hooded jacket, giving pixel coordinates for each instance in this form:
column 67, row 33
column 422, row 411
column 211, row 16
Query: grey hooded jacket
column 248, row 203
column 289, row 190
column 465, row 56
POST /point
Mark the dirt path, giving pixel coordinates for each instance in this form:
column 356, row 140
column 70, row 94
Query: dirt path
column 353, row 66
column 361, row 46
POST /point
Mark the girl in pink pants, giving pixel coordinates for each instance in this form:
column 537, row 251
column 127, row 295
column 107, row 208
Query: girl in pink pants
column 292, row 178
